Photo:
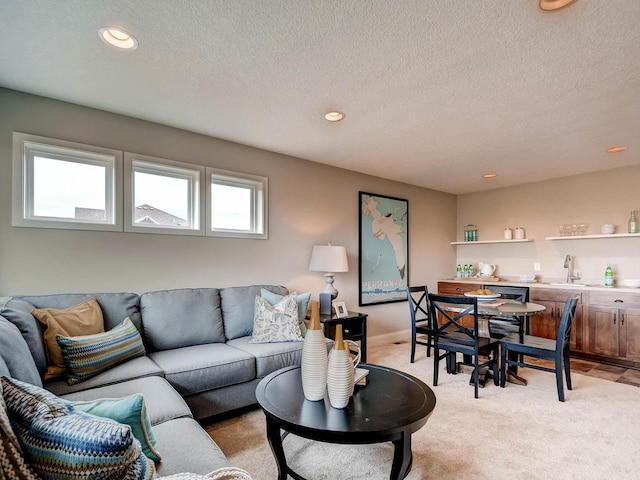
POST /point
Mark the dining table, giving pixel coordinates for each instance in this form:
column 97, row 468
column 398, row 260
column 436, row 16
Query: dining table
column 502, row 307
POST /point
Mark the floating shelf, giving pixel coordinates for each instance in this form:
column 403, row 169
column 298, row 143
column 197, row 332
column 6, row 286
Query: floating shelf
column 599, row 235
column 524, row 240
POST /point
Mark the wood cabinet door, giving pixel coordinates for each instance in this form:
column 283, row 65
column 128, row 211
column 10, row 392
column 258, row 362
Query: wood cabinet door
column 576, row 329
column 603, row 331
column 630, row 333
column 544, row 324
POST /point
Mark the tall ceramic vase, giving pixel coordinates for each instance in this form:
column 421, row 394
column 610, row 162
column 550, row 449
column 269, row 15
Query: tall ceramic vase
column 314, row 358
column 340, row 373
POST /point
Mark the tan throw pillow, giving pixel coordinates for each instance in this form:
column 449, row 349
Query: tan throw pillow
column 82, row 319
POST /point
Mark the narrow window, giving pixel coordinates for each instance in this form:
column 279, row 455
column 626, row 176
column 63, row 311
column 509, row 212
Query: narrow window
column 59, row 184
column 238, row 205
column 162, row 196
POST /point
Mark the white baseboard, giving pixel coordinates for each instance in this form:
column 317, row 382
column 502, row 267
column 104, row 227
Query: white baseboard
column 386, row 338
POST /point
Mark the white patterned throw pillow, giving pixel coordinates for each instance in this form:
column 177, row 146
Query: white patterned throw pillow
column 276, row 323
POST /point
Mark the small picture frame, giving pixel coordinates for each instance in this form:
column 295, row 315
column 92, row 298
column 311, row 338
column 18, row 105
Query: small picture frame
column 340, row 309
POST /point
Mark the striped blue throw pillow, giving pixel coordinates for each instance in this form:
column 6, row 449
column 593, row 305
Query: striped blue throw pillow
column 63, row 444
column 88, row 355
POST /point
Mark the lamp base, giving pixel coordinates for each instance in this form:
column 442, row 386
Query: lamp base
column 325, row 302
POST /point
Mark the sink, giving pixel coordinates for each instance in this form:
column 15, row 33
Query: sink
column 564, row 284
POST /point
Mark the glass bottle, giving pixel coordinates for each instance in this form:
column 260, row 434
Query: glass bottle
column 633, row 223
column 608, row 276
column 458, row 271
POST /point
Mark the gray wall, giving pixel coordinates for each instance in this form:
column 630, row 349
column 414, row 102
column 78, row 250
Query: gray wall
column 309, row 204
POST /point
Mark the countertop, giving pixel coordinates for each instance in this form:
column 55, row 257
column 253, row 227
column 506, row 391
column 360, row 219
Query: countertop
column 546, row 285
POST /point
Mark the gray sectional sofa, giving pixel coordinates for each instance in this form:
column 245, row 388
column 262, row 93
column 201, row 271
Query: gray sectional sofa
column 199, row 361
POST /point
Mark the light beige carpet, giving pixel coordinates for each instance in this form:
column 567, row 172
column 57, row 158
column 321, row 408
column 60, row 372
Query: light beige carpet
column 512, row 433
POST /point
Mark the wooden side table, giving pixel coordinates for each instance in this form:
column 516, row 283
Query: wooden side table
column 354, row 327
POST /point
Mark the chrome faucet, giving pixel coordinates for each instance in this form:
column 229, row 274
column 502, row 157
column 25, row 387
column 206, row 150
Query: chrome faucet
column 568, row 264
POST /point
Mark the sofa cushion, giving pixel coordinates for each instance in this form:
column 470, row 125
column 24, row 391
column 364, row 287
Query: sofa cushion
column 181, row 318
column 129, row 410
column 13, row 465
column 303, row 305
column 82, row 319
column 16, row 357
column 199, row 454
column 4, row 370
column 237, row 308
column 276, row 323
column 115, row 307
column 162, row 401
column 270, row 356
column 203, row 367
column 88, row 355
column 59, row 442
column 18, row 312
column 135, row 368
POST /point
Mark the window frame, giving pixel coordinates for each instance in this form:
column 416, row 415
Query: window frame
column 259, row 203
column 170, row 168
column 26, row 147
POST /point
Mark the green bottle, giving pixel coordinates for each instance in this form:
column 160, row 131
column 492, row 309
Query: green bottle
column 633, row 223
column 608, row 276
column 458, row 271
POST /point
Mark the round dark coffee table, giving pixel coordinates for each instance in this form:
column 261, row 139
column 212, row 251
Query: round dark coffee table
column 391, row 407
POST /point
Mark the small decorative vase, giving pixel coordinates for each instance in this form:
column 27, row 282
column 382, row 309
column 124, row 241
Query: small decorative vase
column 340, row 373
column 314, row 358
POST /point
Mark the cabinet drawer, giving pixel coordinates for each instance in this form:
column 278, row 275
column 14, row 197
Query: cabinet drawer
column 446, row 288
column 553, row 295
column 613, row 299
column 352, row 329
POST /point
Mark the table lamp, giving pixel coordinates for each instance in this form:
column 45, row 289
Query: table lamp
column 330, row 259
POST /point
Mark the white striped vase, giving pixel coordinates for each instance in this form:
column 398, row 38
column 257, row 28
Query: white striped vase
column 314, row 365
column 340, row 378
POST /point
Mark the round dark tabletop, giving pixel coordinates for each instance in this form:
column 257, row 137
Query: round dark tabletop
column 391, row 403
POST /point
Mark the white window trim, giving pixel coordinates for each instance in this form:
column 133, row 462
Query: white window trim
column 197, row 208
column 260, row 205
column 24, row 145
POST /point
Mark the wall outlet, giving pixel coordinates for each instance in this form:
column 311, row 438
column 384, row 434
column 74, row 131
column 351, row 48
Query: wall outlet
column 536, row 267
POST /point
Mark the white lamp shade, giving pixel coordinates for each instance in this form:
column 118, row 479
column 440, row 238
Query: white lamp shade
column 328, row 258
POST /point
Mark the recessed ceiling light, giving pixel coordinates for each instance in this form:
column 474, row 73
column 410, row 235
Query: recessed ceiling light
column 490, row 175
column 619, row 148
column 334, row 116
column 116, row 37
column 552, row 5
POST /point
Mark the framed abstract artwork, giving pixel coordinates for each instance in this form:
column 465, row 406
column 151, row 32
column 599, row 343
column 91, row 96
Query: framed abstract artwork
column 383, row 248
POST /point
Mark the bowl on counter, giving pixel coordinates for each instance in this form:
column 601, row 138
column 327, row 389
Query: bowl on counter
column 630, row 283
column 527, row 278
column 607, row 229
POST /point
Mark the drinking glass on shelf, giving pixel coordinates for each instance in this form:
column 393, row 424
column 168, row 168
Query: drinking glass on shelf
column 582, row 228
column 574, row 229
column 561, row 230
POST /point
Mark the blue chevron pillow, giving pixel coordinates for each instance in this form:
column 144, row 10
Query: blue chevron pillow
column 88, row 355
column 62, row 444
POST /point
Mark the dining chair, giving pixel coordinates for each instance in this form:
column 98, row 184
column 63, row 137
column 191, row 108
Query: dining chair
column 421, row 320
column 503, row 325
column 514, row 351
column 453, row 337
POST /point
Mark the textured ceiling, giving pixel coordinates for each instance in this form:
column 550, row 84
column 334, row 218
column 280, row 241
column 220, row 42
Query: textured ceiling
column 436, row 93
